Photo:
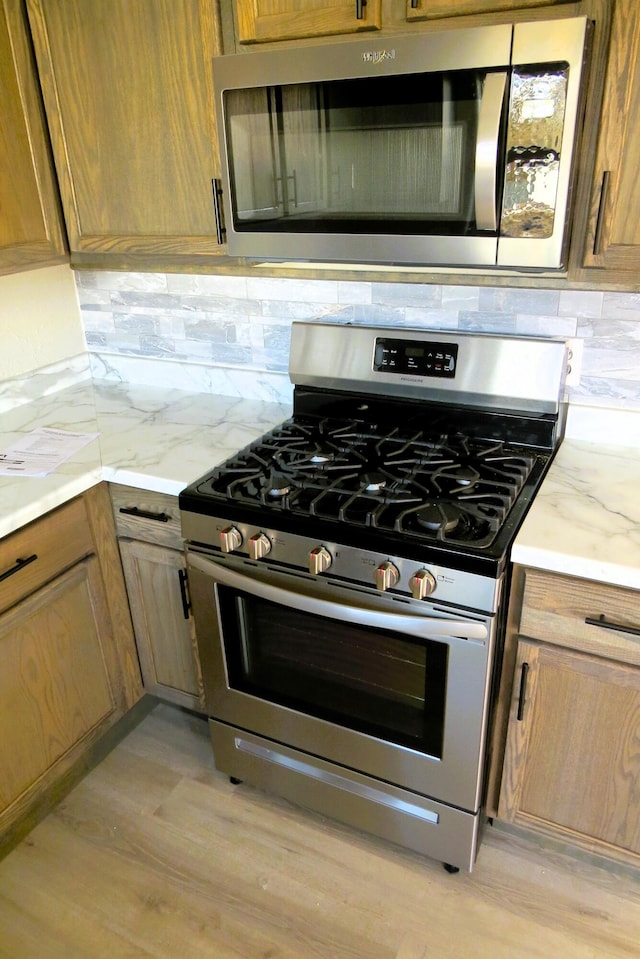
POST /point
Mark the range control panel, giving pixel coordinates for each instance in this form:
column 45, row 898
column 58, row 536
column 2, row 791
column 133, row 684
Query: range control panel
column 417, row 357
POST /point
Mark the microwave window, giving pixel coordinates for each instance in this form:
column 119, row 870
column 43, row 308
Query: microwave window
column 385, row 153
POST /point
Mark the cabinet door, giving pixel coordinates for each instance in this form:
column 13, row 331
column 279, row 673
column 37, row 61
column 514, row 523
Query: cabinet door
column 31, row 231
column 156, row 583
column 613, row 236
column 55, row 678
column 129, row 99
column 432, row 9
column 572, row 764
column 263, row 20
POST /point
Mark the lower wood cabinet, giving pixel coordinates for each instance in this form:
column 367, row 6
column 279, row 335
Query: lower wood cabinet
column 150, row 542
column 68, row 665
column 572, row 757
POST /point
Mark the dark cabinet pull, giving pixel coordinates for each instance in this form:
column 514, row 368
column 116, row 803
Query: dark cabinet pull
column 184, row 585
column 217, row 211
column 144, row 514
column 414, row 4
column 603, row 624
column 523, row 691
column 19, row 564
column 360, row 5
column 604, row 194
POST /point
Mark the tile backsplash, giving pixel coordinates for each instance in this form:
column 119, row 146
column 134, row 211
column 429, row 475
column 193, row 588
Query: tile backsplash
column 230, row 334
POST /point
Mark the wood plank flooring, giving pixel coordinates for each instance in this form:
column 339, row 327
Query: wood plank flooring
column 155, row 854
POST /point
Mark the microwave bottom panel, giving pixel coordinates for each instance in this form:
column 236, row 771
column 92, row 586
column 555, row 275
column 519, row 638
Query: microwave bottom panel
column 415, row 822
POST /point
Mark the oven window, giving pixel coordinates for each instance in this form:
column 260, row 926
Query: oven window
column 375, row 681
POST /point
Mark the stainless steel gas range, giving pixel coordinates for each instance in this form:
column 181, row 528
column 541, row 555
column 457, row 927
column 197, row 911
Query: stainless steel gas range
column 348, row 574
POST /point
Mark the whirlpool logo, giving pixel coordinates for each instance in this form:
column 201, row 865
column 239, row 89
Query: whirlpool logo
column 378, row 56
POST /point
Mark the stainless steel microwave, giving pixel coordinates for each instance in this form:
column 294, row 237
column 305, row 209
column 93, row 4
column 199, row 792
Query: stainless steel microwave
column 452, row 148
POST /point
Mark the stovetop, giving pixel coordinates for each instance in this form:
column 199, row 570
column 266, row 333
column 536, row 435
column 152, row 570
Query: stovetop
column 386, row 474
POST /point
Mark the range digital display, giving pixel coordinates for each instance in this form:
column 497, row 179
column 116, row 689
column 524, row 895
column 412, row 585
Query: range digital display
column 414, row 357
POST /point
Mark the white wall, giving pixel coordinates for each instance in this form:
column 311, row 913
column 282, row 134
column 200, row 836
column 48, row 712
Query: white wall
column 40, row 320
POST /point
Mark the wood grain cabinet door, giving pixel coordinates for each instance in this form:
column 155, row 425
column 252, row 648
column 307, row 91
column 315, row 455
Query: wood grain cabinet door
column 57, row 679
column 31, row 230
column 572, row 763
column 128, row 93
column 259, row 21
column 433, row 9
column 165, row 635
column 613, row 236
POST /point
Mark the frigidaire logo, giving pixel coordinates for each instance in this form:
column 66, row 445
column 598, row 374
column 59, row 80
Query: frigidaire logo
column 378, row 56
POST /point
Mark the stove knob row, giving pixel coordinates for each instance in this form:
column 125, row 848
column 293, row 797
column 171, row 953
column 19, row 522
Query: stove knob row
column 230, row 539
column 320, row 560
column 387, row 575
column 422, row 584
column 259, row 546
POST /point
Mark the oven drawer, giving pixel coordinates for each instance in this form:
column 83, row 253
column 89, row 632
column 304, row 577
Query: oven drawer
column 582, row 615
column 415, row 822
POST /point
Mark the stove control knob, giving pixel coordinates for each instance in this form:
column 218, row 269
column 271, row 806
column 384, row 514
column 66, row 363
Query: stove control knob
column 259, row 546
column 230, row 539
column 387, row 576
column 319, row 560
column 422, row 584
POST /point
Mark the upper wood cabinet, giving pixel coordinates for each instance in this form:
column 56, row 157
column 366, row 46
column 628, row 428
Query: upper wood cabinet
column 613, row 234
column 432, row 9
column 265, row 20
column 129, row 102
column 31, row 231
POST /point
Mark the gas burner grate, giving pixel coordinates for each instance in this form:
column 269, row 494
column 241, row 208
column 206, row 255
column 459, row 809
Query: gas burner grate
column 453, row 489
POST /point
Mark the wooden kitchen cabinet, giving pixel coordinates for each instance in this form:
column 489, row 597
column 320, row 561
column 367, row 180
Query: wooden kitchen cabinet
column 434, row 9
column 260, row 21
column 129, row 100
column 613, row 233
column 68, row 667
column 31, row 229
column 572, row 763
column 155, row 572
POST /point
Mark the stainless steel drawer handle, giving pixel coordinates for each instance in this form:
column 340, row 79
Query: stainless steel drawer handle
column 602, row 622
column 144, row 514
column 19, row 564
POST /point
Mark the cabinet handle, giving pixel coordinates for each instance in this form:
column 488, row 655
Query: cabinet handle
column 184, row 586
column 523, row 691
column 19, row 563
column 414, row 4
column 360, row 5
column 144, row 514
column 604, row 194
column 603, row 624
column 217, row 211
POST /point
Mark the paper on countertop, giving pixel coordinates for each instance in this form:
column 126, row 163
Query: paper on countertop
column 42, row 451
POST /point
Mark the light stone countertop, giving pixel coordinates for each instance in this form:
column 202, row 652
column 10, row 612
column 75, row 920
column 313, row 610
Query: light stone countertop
column 150, row 438
column 584, row 521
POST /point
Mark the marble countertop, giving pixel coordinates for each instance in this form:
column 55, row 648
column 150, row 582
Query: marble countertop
column 584, row 521
column 149, row 438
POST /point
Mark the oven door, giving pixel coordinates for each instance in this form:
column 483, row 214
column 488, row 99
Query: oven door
column 391, row 687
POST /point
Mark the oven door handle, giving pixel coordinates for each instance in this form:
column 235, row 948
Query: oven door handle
column 422, row 627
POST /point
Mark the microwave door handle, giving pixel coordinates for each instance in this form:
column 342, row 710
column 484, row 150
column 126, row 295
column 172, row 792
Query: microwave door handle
column 489, row 122
column 422, row 627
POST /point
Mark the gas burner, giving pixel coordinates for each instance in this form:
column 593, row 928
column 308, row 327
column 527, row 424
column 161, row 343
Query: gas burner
column 373, row 482
column 438, row 517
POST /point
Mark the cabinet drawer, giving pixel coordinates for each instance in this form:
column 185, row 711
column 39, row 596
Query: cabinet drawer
column 582, row 615
column 143, row 515
column 41, row 550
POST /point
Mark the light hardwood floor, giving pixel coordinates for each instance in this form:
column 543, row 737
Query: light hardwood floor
column 155, row 854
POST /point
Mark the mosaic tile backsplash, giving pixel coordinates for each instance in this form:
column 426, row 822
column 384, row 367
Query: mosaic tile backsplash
column 230, row 334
